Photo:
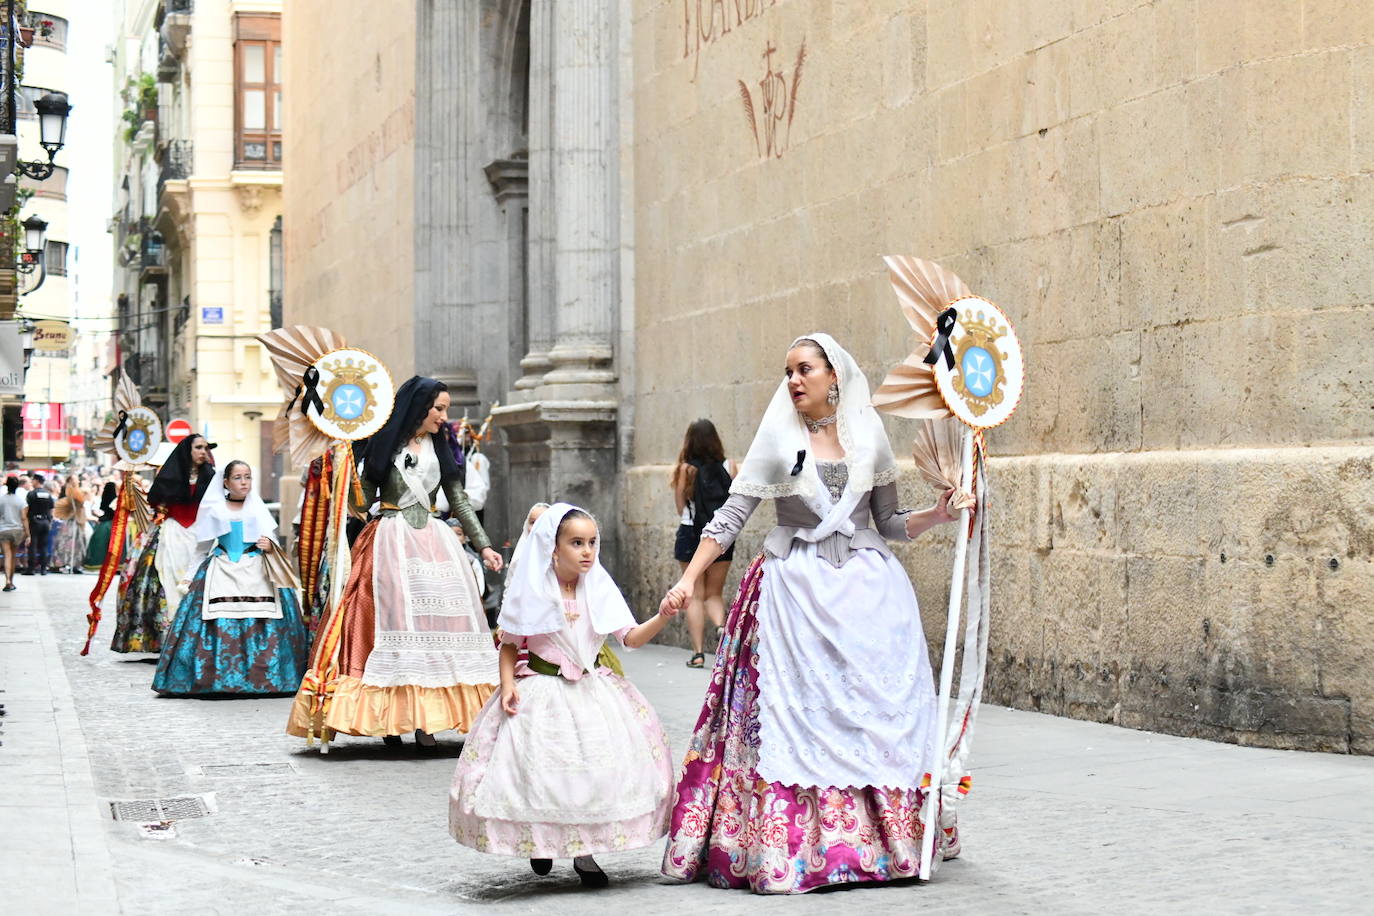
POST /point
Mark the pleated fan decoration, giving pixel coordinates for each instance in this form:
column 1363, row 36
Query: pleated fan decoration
column 292, row 351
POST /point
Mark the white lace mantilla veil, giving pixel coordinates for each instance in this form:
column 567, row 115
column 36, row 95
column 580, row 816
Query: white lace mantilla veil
column 767, row 468
column 532, row 603
column 213, row 518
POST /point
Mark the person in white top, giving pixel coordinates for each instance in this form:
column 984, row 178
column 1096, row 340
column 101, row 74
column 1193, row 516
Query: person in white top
column 14, row 526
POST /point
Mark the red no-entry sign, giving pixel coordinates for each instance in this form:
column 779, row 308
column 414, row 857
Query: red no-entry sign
column 178, row 430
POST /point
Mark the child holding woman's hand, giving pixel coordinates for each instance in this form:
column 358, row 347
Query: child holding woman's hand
column 569, row 759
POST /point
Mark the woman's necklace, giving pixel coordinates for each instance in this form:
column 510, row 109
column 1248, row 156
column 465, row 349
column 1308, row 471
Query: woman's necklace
column 816, row 426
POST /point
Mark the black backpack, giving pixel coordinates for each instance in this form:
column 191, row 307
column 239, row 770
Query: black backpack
column 709, row 493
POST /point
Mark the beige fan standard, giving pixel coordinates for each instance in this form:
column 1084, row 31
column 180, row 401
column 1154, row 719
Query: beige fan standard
column 293, row 350
column 924, row 289
column 936, row 452
column 128, row 403
column 126, row 398
column 956, row 399
column 132, row 434
column 335, row 395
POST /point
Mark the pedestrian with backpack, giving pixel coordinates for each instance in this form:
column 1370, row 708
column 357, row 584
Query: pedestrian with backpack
column 701, row 484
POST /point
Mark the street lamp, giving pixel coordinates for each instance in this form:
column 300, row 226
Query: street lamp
column 52, row 134
column 35, row 239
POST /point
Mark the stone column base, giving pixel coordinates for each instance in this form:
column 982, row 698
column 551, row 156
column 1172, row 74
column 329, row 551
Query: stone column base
column 563, row 451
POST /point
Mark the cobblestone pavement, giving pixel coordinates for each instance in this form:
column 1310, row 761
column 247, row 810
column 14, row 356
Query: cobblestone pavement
column 1065, row 817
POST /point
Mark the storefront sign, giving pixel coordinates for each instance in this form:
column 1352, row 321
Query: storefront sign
column 50, row 336
column 11, row 358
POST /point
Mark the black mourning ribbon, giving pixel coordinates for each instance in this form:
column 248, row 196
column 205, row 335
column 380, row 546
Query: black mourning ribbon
column 309, row 380
column 410, row 461
column 801, row 460
column 120, row 426
column 944, row 326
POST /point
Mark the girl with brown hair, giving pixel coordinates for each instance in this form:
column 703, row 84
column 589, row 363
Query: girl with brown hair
column 701, row 484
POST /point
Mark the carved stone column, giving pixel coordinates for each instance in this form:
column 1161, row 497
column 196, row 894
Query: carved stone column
column 539, row 322
column 561, row 434
column 509, row 180
column 585, row 190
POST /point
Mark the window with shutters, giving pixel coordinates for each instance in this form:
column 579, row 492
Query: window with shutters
column 257, row 92
column 55, row 260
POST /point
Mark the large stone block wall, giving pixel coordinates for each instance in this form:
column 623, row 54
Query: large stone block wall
column 1173, row 201
column 349, row 195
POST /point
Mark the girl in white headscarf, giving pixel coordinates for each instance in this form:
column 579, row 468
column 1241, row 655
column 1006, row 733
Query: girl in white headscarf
column 569, row 759
column 239, row 628
column 818, row 727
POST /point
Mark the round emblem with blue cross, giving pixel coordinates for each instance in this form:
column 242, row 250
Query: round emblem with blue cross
column 356, row 392
column 982, row 373
column 141, row 436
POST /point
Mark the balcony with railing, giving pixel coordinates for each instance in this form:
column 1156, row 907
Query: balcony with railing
column 48, row 31
column 181, row 316
column 152, row 253
column 178, row 159
column 150, row 374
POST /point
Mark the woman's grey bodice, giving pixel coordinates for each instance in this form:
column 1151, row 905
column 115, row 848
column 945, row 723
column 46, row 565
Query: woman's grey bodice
column 876, row 519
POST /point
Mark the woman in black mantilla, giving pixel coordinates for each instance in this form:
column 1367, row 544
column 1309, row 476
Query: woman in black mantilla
column 153, row 594
column 415, row 652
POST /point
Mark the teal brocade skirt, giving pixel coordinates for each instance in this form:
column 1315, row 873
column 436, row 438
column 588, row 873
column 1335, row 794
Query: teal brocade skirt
column 249, row 657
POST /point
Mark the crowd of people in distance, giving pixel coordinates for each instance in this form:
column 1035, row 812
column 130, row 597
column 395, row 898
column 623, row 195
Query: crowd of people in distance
column 54, row 522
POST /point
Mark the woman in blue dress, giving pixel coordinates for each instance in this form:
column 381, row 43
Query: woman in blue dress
column 239, row 630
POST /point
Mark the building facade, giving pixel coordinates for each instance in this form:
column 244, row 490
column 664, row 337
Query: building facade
column 615, row 218
column 47, row 293
column 468, row 225
column 198, row 165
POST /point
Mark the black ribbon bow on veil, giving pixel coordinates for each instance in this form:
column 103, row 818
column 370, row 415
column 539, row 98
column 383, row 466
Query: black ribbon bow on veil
column 944, row 326
column 309, row 380
column 121, row 426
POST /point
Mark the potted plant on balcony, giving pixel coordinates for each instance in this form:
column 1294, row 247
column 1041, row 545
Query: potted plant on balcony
column 147, row 96
column 140, row 95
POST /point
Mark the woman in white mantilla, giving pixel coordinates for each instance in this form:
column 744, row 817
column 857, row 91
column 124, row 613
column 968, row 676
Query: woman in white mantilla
column 239, row 629
column 818, row 728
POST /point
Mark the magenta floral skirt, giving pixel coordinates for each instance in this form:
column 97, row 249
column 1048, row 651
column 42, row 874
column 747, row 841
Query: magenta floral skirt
column 733, row 829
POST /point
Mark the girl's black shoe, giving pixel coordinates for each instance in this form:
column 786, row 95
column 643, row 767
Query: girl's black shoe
column 541, row 866
column 392, row 740
column 592, row 879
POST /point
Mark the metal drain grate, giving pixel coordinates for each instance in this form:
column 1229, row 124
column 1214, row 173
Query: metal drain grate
column 156, row 810
column 242, row 770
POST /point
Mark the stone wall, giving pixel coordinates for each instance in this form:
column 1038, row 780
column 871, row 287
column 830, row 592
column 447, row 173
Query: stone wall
column 349, row 196
column 1172, row 200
